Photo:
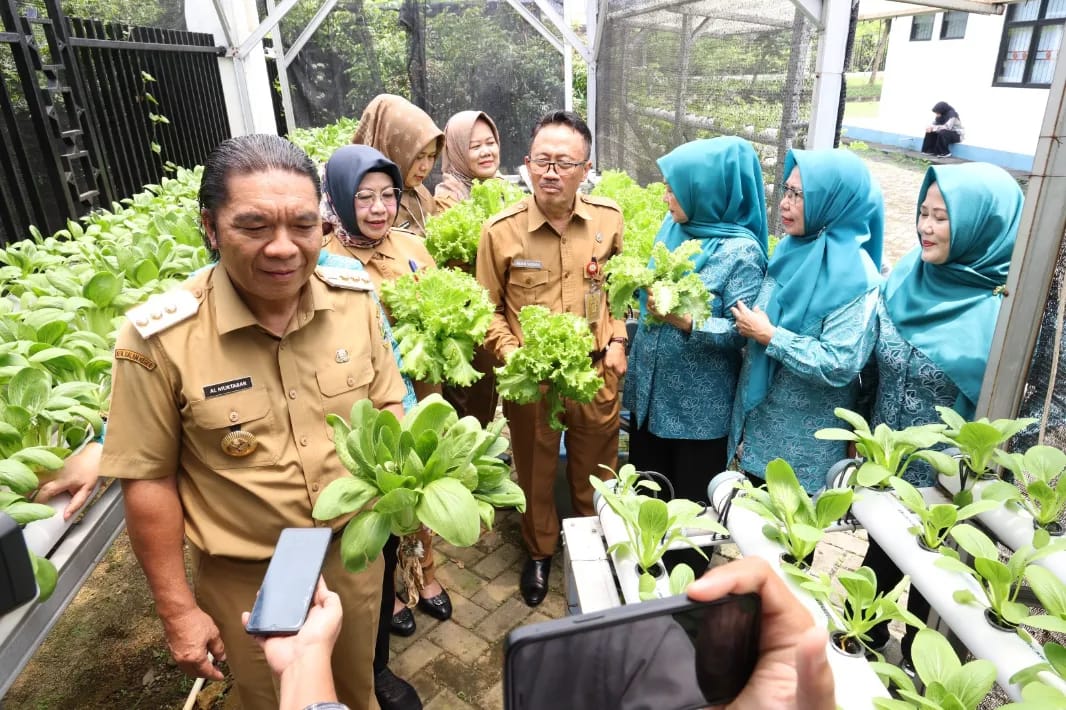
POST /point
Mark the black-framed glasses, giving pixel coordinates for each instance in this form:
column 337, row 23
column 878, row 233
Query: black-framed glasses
column 790, row 193
column 562, row 167
column 389, row 196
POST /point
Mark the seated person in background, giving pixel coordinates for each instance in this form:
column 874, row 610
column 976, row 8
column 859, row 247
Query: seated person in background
column 945, row 129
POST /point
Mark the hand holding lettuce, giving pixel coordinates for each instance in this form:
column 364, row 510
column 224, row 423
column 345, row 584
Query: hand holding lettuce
column 555, row 351
column 669, row 279
column 440, row 314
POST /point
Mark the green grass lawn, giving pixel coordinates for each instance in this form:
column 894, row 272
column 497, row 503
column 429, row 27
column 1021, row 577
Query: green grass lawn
column 861, row 109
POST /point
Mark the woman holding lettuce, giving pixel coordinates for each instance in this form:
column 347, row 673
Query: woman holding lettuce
column 682, row 375
column 811, row 327
column 361, row 192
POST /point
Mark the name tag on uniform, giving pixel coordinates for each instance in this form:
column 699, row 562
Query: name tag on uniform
column 526, row 264
column 228, row 387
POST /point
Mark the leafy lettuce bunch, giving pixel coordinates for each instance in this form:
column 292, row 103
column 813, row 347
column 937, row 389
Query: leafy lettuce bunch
column 452, row 236
column 556, row 350
column 430, row 468
column 642, row 208
column 440, row 314
column 677, row 290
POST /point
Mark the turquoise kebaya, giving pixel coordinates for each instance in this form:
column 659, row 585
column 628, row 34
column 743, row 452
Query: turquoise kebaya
column 681, row 385
column 819, row 272
column 719, row 184
column 948, row 311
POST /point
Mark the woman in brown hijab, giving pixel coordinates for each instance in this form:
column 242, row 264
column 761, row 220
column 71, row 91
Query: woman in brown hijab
column 407, row 136
column 471, row 150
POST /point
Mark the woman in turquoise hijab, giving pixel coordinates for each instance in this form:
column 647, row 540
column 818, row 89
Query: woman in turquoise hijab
column 937, row 314
column 682, row 376
column 811, row 328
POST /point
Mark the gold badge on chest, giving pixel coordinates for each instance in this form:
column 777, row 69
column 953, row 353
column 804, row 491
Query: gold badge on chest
column 239, row 443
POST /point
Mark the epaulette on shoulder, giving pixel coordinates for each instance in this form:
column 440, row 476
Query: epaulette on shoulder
column 349, row 279
column 602, row 202
column 162, row 311
column 514, row 209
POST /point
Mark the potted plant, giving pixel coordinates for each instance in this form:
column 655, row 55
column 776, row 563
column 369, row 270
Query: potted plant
column 937, row 520
column 948, row 683
column 1000, row 582
column 860, row 609
column 1039, row 472
column 977, row 443
column 652, row 526
column 431, row 469
column 793, row 519
column 886, row 452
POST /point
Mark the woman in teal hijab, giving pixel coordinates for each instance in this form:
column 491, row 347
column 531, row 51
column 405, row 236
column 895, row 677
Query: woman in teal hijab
column 937, row 314
column 811, row 328
column 682, row 376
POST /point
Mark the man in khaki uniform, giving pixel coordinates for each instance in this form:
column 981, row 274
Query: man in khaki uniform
column 550, row 250
column 217, row 423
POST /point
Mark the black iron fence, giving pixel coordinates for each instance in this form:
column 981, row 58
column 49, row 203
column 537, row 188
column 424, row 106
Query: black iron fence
column 90, row 112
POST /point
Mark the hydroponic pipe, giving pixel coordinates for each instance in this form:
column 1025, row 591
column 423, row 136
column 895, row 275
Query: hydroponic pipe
column 887, row 522
column 1011, row 526
column 856, row 683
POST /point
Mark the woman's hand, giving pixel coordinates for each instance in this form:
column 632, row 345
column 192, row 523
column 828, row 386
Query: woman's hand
column 792, row 672
column 753, row 324
column 682, row 322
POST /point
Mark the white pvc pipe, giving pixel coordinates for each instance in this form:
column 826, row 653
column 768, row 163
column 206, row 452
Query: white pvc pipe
column 625, row 563
column 1011, row 526
column 42, row 535
column 886, row 521
column 856, row 683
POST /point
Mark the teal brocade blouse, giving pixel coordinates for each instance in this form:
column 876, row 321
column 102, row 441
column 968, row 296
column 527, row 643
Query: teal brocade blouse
column 681, row 385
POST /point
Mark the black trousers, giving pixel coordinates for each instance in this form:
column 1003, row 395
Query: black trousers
column 939, row 142
column 689, row 464
column 388, row 594
column 888, row 576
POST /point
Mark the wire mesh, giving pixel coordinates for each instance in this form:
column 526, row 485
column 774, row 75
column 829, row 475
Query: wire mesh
column 673, row 71
column 444, row 56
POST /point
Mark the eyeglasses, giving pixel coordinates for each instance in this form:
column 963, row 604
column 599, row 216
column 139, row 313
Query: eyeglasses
column 791, row 194
column 562, row 167
column 389, row 196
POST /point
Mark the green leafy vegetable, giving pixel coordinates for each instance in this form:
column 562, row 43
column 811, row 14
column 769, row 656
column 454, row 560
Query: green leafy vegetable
column 670, row 281
column 452, row 236
column 321, row 142
column 555, row 351
column 441, row 314
column 643, row 210
column 1039, row 470
column 948, row 683
column 431, row 468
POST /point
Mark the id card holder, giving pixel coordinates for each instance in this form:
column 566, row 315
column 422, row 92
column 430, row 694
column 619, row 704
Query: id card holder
column 593, row 303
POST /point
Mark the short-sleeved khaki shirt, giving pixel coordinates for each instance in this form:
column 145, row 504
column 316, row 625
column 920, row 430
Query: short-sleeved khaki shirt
column 400, row 253
column 522, row 261
column 177, row 393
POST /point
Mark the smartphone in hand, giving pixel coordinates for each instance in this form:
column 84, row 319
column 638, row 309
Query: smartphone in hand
column 289, row 584
column 673, row 654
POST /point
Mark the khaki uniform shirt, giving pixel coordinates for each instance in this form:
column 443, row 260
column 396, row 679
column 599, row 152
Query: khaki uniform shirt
column 522, row 260
column 400, row 253
column 180, row 391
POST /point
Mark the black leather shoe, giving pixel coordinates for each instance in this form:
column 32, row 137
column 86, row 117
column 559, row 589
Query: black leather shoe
column 439, row 607
column 395, row 693
column 402, row 623
column 534, row 582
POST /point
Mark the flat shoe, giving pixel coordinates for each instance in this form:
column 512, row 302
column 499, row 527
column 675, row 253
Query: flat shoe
column 439, row 607
column 402, row 623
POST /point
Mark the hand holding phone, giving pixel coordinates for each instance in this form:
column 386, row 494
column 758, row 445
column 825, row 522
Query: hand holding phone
column 290, row 581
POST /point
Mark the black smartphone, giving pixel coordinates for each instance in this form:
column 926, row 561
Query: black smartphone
column 669, row 654
column 289, row 584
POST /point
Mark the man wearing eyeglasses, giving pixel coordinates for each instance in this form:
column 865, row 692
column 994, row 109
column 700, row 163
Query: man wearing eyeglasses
column 550, row 250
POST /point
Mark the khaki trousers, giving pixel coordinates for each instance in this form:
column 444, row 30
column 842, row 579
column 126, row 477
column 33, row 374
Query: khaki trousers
column 225, row 587
column 591, row 440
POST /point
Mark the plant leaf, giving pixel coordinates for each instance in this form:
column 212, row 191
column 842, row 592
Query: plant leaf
column 450, row 510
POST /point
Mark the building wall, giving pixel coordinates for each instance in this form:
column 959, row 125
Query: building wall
column 959, row 71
